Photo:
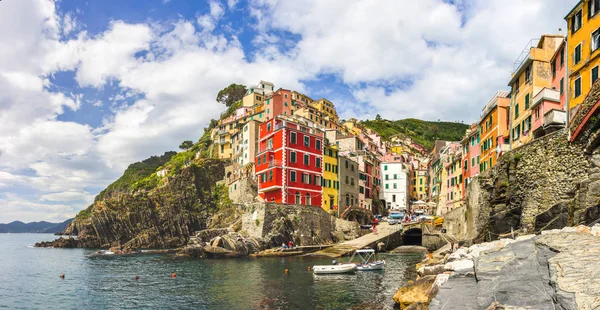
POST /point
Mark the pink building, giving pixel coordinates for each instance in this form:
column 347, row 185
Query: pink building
column 548, row 109
column 279, row 103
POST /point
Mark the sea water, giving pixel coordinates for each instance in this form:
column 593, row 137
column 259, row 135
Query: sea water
column 30, row 279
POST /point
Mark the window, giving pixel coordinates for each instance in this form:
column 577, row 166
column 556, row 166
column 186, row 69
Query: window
column 306, row 178
column 595, row 44
column 421, row 181
column 318, row 180
column 318, row 145
column 258, row 161
column 292, row 157
column 307, row 141
column 395, row 176
column 577, row 54
column 577, row 87
column 553, row 65
column 385, row 167
column 346, row 164
column 528, row 74
column 318, row 162
column 537, row 113
column 268, row 126
column 395, row 185
column 393, row 198
column 593, row 8
column 473, row 162
column 576, row 22
column 562, row 87
column 292, row 176
column 306, row 159
column 270, row 175
column 298, row 198
column 517, row 86
column 594, row 74
column 307, row 199
column 293, row 137
column 516, row 111
column 387, row 186
column 526, row 101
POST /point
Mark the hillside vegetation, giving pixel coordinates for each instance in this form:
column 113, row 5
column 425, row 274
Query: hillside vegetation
column 422, row 132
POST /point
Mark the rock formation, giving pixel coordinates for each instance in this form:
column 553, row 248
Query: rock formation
column 161, row 217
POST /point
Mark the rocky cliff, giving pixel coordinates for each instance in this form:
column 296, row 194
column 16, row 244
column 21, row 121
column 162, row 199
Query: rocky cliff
column 161, row 215
column 549, row 183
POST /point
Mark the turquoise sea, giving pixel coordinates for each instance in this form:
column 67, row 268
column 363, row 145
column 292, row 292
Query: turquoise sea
column 29, row 279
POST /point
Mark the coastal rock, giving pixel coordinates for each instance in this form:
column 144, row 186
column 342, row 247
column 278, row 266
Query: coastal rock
column 58, row 243
column 460, row 266
column 409, row 249
column 417, row 292
column 161, row 215
column 431, row 270
column 191, row 251
column 555, row 270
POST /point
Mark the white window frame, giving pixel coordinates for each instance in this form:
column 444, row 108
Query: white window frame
column 595, row 43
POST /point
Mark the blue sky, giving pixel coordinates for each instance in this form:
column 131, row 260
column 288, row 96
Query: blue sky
column 88, row 87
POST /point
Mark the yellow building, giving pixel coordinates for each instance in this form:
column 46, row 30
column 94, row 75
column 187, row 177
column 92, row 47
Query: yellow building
column 330, row 178
column 397, row 149
column 419, row 185
column 327, row 109
column 352, row 126
column 532, row 73
column 584, row 48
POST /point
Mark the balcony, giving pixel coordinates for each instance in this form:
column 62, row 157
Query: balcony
column 554, row 117
column 275, row 163
column 223, row 141
column 546, row 94
column 222, row 132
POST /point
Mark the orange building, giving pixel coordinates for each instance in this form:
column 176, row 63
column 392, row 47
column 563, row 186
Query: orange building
column 493, row 128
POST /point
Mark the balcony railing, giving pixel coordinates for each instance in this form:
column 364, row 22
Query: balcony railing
column 275, row 163
column 222, row 132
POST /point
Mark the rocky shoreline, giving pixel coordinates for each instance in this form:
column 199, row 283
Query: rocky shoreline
column 555, row 270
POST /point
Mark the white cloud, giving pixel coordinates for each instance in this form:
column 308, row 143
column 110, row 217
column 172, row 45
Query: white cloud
column 209, row 21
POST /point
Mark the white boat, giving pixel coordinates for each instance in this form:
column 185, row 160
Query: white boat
column 334, row 269
column 369, row 260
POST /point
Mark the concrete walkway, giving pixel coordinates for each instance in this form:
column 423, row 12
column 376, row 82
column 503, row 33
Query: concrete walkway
column 384, row 231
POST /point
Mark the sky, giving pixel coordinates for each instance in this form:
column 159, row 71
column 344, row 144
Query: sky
column 89, row 87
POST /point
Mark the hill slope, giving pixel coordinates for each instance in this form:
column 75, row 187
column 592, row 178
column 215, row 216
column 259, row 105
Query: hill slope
column 34, row 227
column 422, row 132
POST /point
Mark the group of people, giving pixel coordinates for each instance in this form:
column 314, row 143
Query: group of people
column 289, row 245
column 409, row 217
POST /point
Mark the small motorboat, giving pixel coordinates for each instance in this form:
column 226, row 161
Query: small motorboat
column 369, row 260
column 334, row 268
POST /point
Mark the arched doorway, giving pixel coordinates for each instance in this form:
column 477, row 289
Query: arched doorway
column 413, row 236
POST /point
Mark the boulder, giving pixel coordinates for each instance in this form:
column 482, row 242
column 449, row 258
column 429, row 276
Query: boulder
column 410, row 249
column 380, row 247
column 595, row 230
column 440, row 279
column 416, row 292
column 191, row 251
column 460, row 266
column 431, row 270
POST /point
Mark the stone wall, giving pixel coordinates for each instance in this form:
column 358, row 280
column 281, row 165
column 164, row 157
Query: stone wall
column 548, row 183
column 304, row 225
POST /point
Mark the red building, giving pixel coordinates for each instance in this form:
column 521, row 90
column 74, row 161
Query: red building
column 289, row 162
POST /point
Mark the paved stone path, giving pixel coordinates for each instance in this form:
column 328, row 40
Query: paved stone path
column 384, row 230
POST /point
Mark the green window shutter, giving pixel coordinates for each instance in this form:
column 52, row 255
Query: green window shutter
column 562, row 87
column 516, row 111
column 594, row 74
column 526, row 101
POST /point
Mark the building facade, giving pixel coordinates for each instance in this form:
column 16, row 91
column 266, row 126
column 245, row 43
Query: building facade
column 348, row 179
column 584, row 50
column 494, row 131
column 289, row 162
column 532, row 73
column 394, row 189
column 331, row 184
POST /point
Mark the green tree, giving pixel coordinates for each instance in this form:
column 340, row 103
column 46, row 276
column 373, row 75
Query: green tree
column 186, row 144
column 378, row 117
column 231, row 94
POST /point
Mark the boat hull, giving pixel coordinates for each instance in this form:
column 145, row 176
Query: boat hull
column 334, row 269
column 371, row 266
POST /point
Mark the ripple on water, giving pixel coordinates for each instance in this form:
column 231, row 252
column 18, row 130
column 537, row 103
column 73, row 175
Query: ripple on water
column 29, row 279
